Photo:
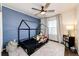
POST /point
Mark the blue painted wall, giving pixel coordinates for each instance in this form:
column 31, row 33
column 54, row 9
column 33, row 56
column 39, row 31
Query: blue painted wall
column 11, row 21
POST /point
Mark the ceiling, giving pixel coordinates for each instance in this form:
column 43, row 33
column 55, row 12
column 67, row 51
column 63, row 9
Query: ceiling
column 27, row 8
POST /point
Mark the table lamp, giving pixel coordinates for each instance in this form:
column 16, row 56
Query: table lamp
column 69, row 29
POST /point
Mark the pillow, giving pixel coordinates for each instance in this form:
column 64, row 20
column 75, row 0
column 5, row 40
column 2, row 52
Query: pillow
column 34, row 37
column 38, row 38
column 12, row 45
column 43, row 39
column 41, row 34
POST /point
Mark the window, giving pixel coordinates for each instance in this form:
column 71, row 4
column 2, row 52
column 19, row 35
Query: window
column 52, row 25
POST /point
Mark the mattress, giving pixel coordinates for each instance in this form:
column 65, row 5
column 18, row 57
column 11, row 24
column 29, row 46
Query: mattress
column 50, row 49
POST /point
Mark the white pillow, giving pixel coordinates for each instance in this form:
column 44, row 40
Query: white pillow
column 38, row 38
column 12, row 45
column 41, row 34
column 13, row 50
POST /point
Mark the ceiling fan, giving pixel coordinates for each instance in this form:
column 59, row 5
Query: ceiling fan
column 43, row 9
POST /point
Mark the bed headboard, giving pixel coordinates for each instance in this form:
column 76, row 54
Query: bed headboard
column 28, row 29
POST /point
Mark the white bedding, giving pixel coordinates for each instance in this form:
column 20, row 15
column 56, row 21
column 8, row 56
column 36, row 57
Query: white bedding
column 50, row 49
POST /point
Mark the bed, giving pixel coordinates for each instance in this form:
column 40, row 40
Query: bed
column 30, row 43
column 50, row 49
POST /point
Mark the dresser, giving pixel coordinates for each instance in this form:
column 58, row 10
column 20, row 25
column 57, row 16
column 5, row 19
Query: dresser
column 69, row 41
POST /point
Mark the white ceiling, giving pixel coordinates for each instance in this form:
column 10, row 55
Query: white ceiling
column 27, row 8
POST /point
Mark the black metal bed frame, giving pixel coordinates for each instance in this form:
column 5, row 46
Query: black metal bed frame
column 19, row 29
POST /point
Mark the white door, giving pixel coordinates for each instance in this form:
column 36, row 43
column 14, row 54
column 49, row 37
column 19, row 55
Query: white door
column 52, row 27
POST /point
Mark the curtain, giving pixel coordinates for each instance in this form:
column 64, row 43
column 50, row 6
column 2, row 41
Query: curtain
column 60, row 28
column 59, row 36
column 52, row 27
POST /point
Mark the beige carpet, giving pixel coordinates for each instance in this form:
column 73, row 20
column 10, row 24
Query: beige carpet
column 50, row 49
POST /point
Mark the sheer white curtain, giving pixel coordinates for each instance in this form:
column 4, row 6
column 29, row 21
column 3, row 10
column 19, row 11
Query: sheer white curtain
column 55, row 28
column 60, row 28
column 43, row 25
column 52, row 26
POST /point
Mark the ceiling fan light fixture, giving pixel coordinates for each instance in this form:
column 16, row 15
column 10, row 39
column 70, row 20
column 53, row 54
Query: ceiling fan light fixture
column 42, row 13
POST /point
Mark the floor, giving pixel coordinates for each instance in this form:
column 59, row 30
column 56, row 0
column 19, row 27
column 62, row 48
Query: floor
column 70, row 52
column 67, row 53
column 4, row 53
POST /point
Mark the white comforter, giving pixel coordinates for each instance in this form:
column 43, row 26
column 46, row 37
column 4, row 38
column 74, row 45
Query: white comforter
column 50, row 49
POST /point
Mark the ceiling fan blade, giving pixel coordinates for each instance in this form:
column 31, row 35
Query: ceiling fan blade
column 50, row 10
column 47, row 5
column 36, row 9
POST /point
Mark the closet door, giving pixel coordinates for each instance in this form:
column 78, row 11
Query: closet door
column 52, row 27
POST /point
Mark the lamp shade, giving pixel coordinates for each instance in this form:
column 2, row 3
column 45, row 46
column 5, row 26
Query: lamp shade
column 69, row 27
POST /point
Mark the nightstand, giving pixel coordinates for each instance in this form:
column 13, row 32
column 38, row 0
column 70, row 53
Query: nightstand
column 69, row 41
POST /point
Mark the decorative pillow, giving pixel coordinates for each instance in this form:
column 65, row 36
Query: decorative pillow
column 35, row 37
column 38, row 38
column 41, row 34
column 43, row 39
column 12, row 45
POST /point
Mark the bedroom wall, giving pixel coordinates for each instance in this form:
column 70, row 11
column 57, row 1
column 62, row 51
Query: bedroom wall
column 11, row 21
column 69, row 18
column 0, row 31
column 77, row 33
